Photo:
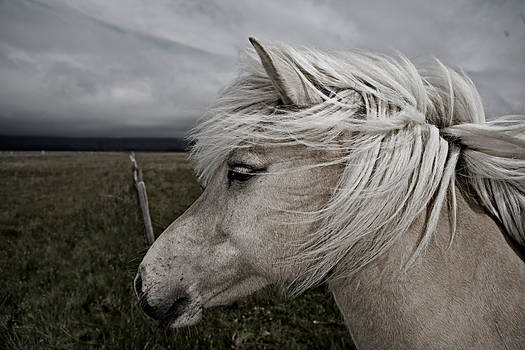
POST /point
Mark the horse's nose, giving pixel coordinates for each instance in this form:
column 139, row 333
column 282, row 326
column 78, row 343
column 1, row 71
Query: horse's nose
column 163, row 311
column 137, row 283
column 151, row 311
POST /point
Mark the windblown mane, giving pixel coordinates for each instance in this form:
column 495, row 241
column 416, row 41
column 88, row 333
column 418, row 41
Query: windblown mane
column 406, row 136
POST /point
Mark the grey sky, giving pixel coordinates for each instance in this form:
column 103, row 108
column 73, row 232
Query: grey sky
column 150, row 68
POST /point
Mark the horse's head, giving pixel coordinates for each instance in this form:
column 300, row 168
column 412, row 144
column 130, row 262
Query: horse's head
column 314, row 165
column 242, row 233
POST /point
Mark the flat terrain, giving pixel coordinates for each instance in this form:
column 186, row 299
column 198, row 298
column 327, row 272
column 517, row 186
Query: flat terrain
column 71, row 240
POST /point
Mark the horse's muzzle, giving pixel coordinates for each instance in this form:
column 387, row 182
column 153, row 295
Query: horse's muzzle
column 164, row 311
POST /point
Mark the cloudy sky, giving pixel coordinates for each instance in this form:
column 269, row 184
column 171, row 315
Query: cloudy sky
column 150, row 68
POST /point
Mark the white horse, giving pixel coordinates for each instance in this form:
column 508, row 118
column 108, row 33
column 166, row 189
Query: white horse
column 365, row 172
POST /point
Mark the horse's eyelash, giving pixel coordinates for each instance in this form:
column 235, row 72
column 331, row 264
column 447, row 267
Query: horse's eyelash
column 241, row 169
column 241, row 172
column 244, row 168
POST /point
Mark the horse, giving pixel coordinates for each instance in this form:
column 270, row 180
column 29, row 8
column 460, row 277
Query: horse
column 363, row 171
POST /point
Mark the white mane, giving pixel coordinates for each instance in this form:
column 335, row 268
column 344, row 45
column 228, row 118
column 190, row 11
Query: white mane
column 406, row 135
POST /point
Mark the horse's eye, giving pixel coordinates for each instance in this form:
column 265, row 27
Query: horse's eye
column 238, row 173
column 242, row 172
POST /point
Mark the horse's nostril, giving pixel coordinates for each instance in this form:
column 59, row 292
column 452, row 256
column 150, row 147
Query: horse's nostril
column 177, row 308
column 161, row 310
column 165, row 313
column 138, row 285
column 151, row 311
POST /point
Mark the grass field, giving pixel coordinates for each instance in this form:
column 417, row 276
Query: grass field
column 71, row 241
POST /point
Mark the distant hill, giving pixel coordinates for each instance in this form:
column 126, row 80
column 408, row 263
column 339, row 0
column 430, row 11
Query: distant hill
column 38, row 143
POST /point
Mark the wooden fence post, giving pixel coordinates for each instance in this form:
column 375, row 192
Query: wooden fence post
column 142, row 198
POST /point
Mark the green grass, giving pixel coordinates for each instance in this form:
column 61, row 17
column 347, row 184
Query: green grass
column 71, row 241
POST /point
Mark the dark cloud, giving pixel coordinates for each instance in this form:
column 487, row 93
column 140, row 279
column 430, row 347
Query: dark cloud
column 114, row 68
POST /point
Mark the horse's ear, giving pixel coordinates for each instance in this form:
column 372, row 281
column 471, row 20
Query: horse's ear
column 287, row 79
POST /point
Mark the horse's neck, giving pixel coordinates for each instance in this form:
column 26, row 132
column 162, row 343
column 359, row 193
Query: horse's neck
column 468, row 295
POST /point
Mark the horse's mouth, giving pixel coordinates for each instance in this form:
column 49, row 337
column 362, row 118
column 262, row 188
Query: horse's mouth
column 182, row 313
